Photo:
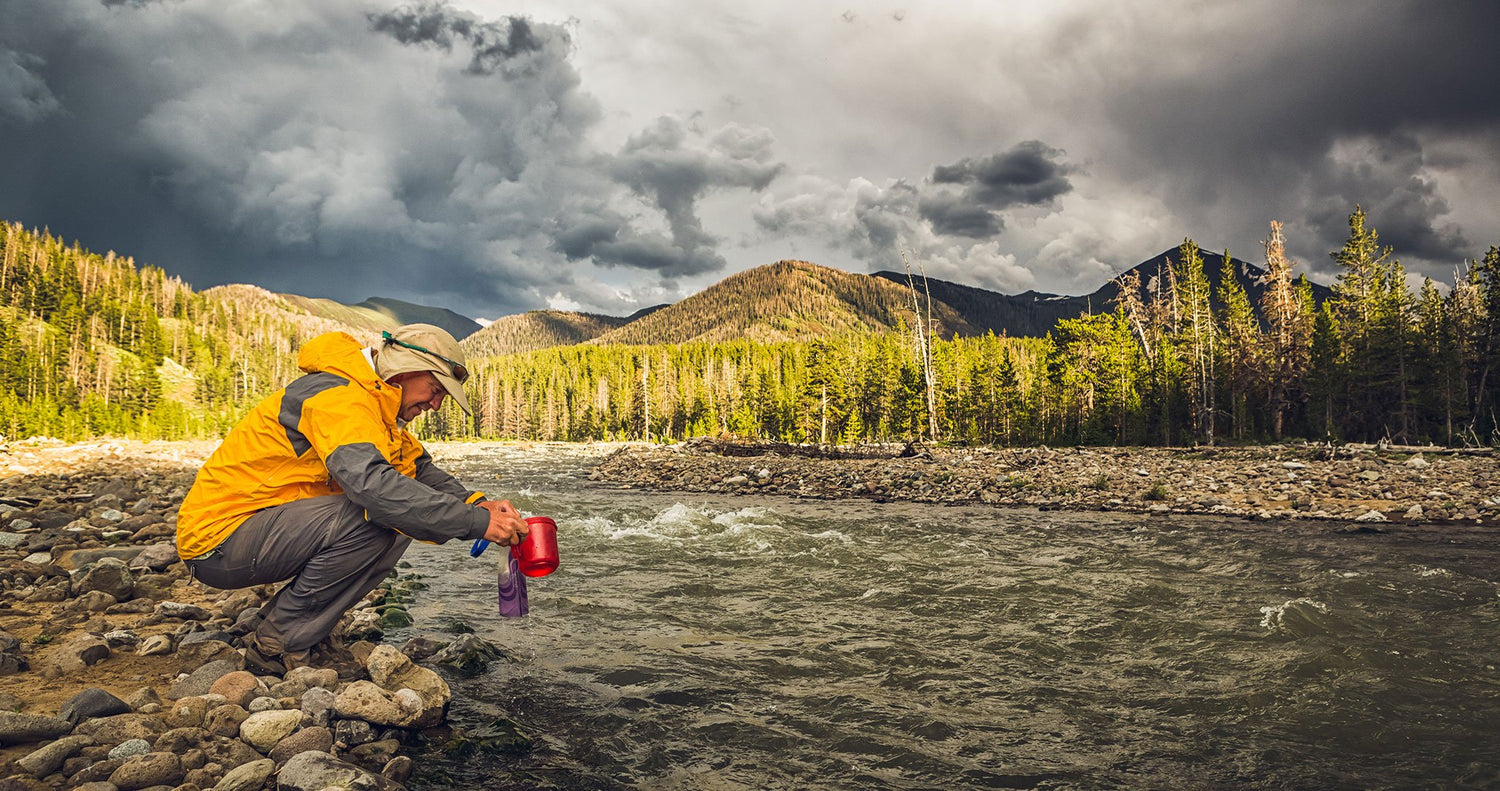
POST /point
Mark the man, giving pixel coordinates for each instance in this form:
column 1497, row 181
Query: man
column 323, row 486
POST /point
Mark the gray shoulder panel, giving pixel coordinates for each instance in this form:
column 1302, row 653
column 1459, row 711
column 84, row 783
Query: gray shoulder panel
column 291, row 405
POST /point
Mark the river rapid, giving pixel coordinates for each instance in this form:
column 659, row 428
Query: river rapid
column 740, row 642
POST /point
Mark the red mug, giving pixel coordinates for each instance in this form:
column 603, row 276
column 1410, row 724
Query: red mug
column 537, row 553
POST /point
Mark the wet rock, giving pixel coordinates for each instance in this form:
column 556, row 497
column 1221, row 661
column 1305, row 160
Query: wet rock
column 314, row 771
column 470, row 655
column 129, row 748
column 144, row 771
column 374, row 755
column 91, row 703
column 263, row 730
column 201, row 680
column 352, row 732
column 248, row 777
column 156, row 557
column 48, row 759
column 314, row 738
column 501, row 736
column 397, row 769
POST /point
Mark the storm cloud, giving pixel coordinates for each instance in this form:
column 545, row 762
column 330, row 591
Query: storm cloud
column 494, row 156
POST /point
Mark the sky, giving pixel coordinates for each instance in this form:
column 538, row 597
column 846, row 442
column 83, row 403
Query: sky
column 494, row 157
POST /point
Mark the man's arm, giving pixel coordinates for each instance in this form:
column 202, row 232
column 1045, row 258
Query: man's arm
column 345, row 430
column 438, row 478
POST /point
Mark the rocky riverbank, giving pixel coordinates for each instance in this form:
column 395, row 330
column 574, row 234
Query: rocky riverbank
column 1366, row 485
column 118, row 671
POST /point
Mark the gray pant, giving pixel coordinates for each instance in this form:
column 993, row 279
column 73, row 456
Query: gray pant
column 324, row 545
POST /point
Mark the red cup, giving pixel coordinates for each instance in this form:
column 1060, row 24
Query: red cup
column 537, row 553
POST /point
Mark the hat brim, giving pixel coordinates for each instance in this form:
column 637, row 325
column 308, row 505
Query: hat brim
column 455, row 391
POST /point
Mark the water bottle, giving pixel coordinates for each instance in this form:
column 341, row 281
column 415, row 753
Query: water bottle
column 535, row 556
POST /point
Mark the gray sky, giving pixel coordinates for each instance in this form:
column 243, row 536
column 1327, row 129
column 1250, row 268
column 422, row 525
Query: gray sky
column 493, row 157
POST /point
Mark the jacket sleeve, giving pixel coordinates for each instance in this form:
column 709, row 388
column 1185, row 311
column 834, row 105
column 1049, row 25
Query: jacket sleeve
column 345, row 430
column 436, row 477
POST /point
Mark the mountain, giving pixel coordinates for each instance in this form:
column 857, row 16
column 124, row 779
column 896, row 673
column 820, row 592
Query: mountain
column 538, row 329
column 1034, row 314
column 784, row 301
column 381, row 313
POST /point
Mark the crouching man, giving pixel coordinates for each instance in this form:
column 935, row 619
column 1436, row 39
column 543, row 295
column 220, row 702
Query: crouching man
column 322, row 486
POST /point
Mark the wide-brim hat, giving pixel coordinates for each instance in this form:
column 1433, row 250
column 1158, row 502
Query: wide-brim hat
column 423, row 347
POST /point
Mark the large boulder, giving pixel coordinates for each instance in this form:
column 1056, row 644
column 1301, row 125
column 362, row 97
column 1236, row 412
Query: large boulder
column 394, row 671
column 314, row 771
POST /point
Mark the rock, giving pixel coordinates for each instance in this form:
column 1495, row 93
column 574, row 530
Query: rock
column 501, row 736
column 248, row 777
column 27, row 728
column 206, row 651
column 237, row 603
column 263, row 730
column 314, row 771
column 230, row 753
column 75, row 559
column 186, row 612
column 156, row 557
column 144, row 696
column 470, row 655
column 264, row 703
column 315, row 738
column 374, row 755
column 199, row 681
column 225, row 720
column 181, row 740
column 80, row 652
column 397, row 769
column 121, row 638
column 13, row 540
column 238, row 688
column 187, row 712
column 122, row 727
column 393, row 670
column 368, row 701
column 144, row 771
column 352, row 732
column 1413, row 513
column 46, row 760
column 92, row 601
column 107, row 575
column 317, row 704
column 422, row 648
column 95, row 775
column 129, row 748
column 324, row 677
column 1370, row 516
column 155, row 645
column 91, row 703
column 9, row 702
column 1417, row 462
column 112, row 515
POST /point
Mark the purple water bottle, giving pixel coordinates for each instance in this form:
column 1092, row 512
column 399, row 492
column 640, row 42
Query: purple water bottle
column 512, row 585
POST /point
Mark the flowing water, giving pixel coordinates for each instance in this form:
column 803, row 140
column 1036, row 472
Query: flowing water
column 712, row 642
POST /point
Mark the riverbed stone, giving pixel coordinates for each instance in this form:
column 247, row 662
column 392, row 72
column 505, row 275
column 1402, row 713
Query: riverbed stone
column 145, row 771
column 249, row 777
column 238, row 687
column 155, row 645
column 393, row 671
column 156, row 557
column 129, row 748
column 314, row 738
column 225, row 720
column 90, row 703
column 263, row 730
column 17, row 728
column 109, row 575
column 368, row 701
column 314, row 771
column 73, row 656
column 49, row 758
column 122, row 727
column 201, row 680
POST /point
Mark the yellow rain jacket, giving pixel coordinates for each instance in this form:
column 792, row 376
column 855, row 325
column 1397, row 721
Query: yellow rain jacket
column 333, row 431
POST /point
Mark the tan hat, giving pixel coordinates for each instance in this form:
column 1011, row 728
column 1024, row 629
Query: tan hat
column 423, row 347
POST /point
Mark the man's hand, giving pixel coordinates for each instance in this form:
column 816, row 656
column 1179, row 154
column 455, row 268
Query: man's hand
column 506, row 525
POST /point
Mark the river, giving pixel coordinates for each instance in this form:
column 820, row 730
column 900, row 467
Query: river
column 715, row 642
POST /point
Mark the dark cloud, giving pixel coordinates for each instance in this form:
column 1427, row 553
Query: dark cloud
column 493, row 45
column 337, row 149
column 1029, row 174
column 957, row 214
column 1233, row 135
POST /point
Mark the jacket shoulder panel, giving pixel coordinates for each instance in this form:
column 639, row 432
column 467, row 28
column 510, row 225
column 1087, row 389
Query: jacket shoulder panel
column 292, row 401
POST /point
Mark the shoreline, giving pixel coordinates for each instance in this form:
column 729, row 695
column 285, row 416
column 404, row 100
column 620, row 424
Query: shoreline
column 1368, row 486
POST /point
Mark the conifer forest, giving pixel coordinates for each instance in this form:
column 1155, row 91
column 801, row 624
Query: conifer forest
column 94, row 345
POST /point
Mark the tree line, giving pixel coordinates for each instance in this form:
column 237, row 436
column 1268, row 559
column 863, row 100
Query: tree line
column 91, row 345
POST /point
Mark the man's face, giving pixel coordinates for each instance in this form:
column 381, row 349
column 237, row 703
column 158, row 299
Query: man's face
column 420, row 391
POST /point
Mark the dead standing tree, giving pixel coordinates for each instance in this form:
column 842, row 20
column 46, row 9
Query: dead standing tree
column 923, row 340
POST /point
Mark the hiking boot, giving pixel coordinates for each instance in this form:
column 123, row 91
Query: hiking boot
column 262, row 663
